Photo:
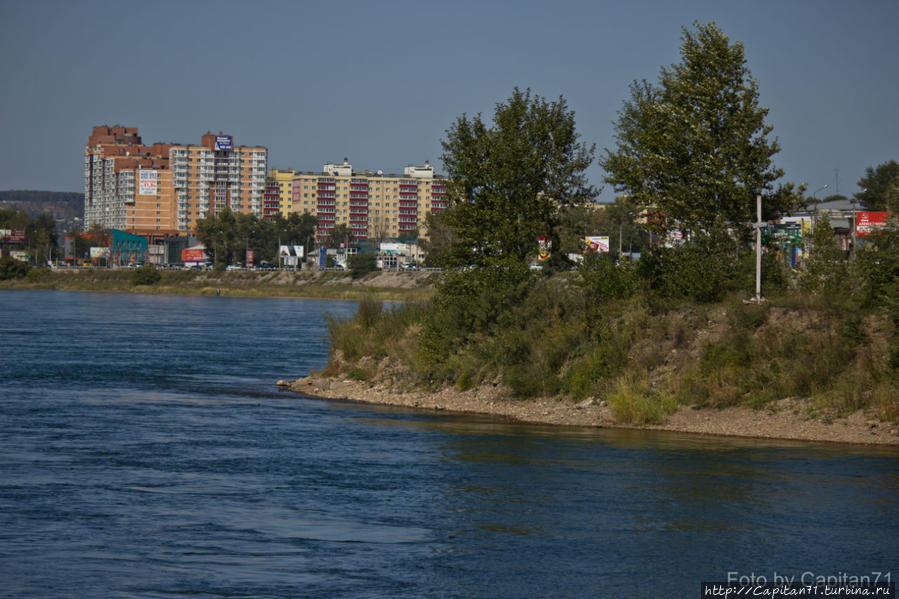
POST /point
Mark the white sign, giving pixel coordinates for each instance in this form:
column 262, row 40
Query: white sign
column 399, row 249
column 599, row 245
column 147, row 182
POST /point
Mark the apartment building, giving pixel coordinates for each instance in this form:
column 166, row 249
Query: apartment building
column 127, row 184
column 282, row 179
column 372, row 205
column 164, row 189
column 214, row 175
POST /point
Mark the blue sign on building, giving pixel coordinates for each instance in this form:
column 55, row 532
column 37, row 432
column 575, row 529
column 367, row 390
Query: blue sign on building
column 224, row 142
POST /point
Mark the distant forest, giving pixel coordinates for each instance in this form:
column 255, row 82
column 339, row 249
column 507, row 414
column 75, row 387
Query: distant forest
column 64, row 206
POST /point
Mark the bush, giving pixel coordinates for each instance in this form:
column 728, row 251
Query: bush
column 10, row 268
column 826, row 272
column 603, row 280
column 705, row 269
column 362, row 264
column 145, row 275
column 472, row 301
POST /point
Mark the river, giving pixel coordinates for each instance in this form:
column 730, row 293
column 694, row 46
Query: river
column 145, row 452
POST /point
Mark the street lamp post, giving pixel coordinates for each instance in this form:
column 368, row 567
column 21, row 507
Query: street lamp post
column 815, row 197
column 854, row 202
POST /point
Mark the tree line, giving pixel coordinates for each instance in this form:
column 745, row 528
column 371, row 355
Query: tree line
column 692, row 151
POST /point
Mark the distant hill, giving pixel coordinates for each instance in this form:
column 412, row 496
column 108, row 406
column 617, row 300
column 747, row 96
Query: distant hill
column 66, row 207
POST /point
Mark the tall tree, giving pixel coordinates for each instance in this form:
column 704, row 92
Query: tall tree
column 880, row 187
column 340, row 235
column 508, row 180
column 695, row 147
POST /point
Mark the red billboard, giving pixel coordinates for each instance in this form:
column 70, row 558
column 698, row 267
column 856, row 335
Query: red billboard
column 192, row 256
column 12, row 236
column 870, row 222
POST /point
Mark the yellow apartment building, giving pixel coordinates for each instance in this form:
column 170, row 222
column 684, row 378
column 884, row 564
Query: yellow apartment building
column 372, row 205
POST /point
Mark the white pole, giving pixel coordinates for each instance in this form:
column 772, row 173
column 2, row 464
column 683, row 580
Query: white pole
column 758, row 250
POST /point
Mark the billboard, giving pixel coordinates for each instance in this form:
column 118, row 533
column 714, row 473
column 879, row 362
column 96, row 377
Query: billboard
column 147, row 185
column 870, row 222
column 224, row 142
column 12, row 236
column 195, row 255
column 393, row 249
column 99, row 252
column 544, row 247
column 597, row 244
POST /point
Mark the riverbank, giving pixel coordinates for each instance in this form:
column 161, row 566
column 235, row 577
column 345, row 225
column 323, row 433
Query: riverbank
column 789, row 419
column 312, row 284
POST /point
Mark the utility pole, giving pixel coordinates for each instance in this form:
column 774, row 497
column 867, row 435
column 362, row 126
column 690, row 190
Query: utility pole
column 758, row 249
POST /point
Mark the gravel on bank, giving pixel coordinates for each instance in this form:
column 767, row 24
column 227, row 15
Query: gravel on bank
column 786, row 419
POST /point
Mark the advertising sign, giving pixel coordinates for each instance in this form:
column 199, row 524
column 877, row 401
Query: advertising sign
column 391, row 249
column 597, row 244
column 147, row 183
column 544, row 247
column 870, row 222
column 785, row 235
column 99, row 252
column 192, row 256
column 12, row 236
column 20, row 255
column 249, row 257
column 224, row 142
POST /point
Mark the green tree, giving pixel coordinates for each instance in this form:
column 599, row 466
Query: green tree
column 880, row 187
column 96, row 236
column 695, row 146
column 340, row 234
column 507, row 181
column 10, row 268
column 219, row 234
column 40, row 232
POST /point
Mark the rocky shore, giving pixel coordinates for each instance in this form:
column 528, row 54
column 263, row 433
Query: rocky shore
column 786, row 419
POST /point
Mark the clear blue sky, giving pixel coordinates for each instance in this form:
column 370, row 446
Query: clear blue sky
column 380, row 82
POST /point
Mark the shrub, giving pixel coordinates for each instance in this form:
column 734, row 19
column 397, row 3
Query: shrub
column 470, row 302
column 10, row 268
column 603, row 280
column 145, row 275
column 825, row 272
column 362, row 264
column 704, row 269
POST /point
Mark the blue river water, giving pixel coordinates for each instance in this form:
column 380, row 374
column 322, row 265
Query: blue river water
column 145, row 452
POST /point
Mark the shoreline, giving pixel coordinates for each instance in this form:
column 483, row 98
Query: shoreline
column 786, row 420
column 321, row 285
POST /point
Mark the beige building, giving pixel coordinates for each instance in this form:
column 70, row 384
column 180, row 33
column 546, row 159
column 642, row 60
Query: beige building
column 372, row 205
column 127, row 185
column 215, row 175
